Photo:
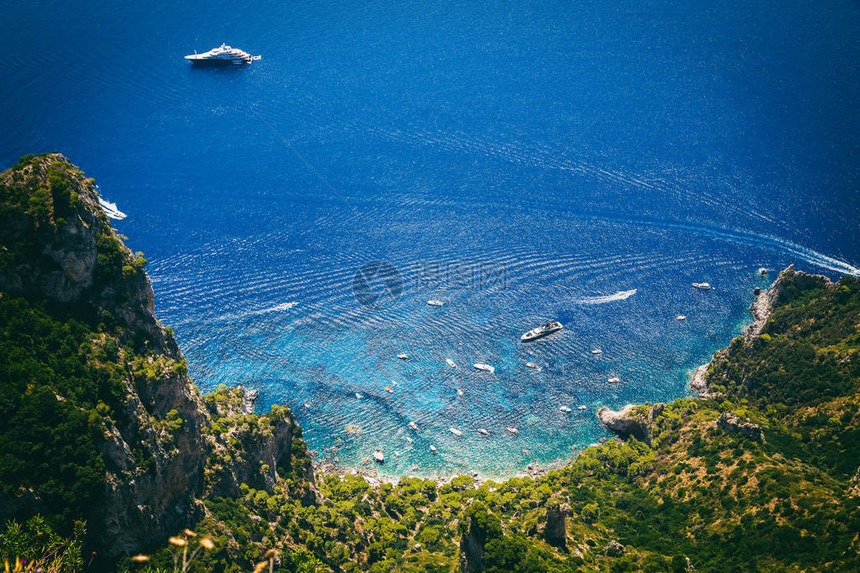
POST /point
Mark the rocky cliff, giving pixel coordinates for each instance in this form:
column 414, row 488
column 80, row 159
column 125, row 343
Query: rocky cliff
column 58, row 251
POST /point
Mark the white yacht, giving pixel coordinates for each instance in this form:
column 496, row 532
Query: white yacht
column 433, row 449
column 597, row 351
column 459, row 392
column 434, row 302
column 564, row 409
column 483, row 432
column 111, row 210
column 614, row 380
column 702, row 286
column 680, row 317
column 582, row 408
column 403, row 356
column 541, row 331
column 223, row 54
column 512, row 430
column 450, row 363
column 484, row 367
column 455, row 431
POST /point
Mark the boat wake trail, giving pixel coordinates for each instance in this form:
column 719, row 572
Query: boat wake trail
column 620, row 295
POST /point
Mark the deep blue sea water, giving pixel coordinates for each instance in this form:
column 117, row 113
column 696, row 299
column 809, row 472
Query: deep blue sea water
column 519, row 161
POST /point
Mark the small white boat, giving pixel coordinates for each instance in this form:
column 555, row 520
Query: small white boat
column 483, row 432
column 403, row 356
column 433, row 449
column 459, row 393
column 597, row 351
column 359, row 396
column 582, row 408
column 434, row 302
column 565, row 409
column 450, row 363
column 389, row 390
column 614, row 380
column 680, row 317
column 512, row 430
column 484, row 367
column 455, row 431
column 308, row 406
column 702, row 286
column 413, row 426
column 410, row 440
column 541, row 331
column 378, row 456
column 532, row 365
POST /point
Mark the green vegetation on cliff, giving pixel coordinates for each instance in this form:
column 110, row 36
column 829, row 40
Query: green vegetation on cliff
column 95, row 399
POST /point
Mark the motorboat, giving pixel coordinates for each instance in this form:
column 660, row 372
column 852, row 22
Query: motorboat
column 597, row 351
column 614, row 380
column 223, row 54
column 434, row 302
column 111, row 210
column 582, row 408
column 359, row 396
column 403, row 356
column 455, row 431
column 680, row 317
column 564, row 409
column 532, row 365
column 450, row 363
column 512, row 430
column 541, row 331
column 433, row 449
column 484, row 367
column 413, row 426
column 459, row 392
column 702, row 286
column 483, row 432
column 389, row 390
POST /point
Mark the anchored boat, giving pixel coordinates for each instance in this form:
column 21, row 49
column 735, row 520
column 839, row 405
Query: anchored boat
column 541, row 331
column 223, row 54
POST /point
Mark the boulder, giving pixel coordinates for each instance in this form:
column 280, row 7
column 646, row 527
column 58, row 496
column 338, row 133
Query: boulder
column 731, row 423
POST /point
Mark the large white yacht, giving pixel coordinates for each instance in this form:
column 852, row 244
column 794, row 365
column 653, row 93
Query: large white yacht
column 223, row 54
column 541, row 331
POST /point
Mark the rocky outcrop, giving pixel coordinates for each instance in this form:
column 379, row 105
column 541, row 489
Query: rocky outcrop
column 254, row 450
column 699, row 381
column 615, row 549
column 555, row 531
column 731, row 423
column 57, row 246
column 630, row 421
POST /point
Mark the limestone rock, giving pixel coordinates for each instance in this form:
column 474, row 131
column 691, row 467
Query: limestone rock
column 630, row 421
column 731, row 423
column 615, row 549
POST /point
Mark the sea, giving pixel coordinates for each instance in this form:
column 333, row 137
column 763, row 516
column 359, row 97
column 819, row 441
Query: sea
column 520, row 162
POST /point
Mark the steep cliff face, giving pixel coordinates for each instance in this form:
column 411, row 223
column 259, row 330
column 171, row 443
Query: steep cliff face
column 59, row 252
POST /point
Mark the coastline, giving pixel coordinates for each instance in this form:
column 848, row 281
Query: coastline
column 760, row 310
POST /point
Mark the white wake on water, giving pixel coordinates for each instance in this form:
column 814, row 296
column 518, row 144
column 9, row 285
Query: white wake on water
column 620, row 295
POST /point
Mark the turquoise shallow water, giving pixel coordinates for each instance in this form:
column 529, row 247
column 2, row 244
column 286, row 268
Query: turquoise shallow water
column 519, row 162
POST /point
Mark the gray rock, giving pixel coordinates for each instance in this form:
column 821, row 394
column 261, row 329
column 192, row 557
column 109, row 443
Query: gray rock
column 615, row 549
column 630, row 422
column 731, row 423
